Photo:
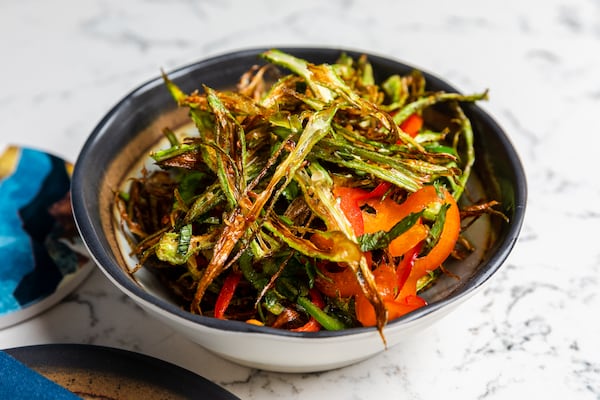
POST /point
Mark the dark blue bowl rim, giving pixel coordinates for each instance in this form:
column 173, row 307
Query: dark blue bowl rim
column 89, row 225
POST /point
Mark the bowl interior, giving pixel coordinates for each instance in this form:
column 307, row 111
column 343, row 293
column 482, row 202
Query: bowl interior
column 134, row 126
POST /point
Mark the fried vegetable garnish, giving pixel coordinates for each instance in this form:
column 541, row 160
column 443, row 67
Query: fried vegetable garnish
column 300, row 189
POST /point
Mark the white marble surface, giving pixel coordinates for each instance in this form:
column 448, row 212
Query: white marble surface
column 531, row 332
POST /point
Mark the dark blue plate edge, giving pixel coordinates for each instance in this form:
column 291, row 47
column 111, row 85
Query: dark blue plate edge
column 123, row 363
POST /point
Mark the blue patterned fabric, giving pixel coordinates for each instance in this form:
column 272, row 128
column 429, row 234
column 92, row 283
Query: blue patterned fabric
column 17, row 381
column 33, row 207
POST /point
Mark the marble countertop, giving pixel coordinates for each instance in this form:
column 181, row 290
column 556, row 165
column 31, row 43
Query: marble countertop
column 530, row 332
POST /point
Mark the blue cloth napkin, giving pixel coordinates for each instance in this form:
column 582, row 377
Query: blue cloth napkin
column 17, row 381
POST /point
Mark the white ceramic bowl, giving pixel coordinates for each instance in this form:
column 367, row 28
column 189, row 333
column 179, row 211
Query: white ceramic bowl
column 128, row 132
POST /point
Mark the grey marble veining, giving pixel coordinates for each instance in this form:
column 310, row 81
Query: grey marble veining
column 530, row 332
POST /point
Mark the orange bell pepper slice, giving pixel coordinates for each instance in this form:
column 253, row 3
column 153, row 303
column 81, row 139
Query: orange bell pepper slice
column 387, row 214
column 412, row 268
column 386, row 280
column 341, row 283
column 448, row 237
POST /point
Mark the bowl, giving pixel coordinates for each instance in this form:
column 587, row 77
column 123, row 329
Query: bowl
column 124, row 138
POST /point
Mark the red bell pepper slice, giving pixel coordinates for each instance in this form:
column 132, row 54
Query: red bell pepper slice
column 406, row 264
column 352, row 198
column 412, row 125
column 377, row 192
column 226, row 293
column 349, row 204
column 312, row 325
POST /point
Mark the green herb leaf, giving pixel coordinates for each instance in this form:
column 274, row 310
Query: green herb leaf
column 382, row 239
